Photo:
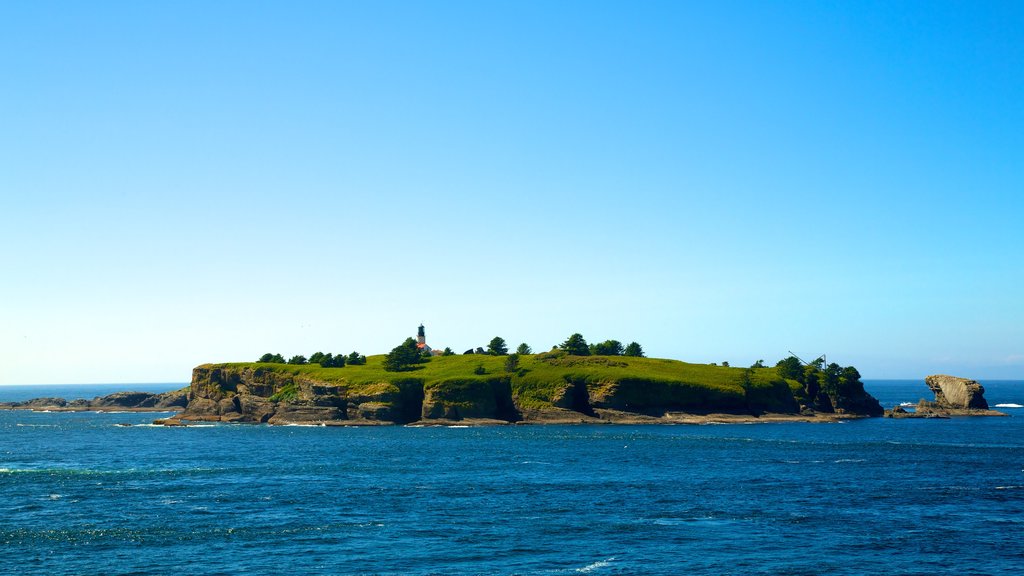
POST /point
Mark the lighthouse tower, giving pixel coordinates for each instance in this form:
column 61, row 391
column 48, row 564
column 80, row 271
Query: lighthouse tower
column 421, row 339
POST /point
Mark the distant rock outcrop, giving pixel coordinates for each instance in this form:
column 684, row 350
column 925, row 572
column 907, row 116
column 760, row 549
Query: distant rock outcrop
column 953, row 397
column 954, row 393
column 133, row 401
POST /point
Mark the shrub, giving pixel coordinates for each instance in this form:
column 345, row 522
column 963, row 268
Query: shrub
column 512, row 363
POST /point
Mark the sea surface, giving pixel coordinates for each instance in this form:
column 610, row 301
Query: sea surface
column 81, row 494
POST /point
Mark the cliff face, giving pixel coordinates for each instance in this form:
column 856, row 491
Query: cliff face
column 544, row 388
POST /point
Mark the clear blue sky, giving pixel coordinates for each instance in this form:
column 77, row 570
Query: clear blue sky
column 184, row 182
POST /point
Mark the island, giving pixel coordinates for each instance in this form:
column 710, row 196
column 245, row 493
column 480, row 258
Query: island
column 552, row 387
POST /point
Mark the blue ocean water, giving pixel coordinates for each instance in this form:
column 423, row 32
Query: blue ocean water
column 82, row 495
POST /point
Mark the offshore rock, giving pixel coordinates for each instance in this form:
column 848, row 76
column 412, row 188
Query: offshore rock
column 953, row 397
column 954, row 393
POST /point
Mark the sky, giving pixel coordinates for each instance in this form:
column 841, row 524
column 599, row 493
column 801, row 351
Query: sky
column 191, row 182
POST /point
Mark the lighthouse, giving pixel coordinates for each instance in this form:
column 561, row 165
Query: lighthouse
column 421, row 339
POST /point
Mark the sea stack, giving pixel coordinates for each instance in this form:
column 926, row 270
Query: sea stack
column 953, row 397
column 954, row 393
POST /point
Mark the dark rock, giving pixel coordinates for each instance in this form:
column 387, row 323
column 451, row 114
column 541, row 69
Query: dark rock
column 291, row 414
column 42, row 403
column 173, row 399
column 124, row 400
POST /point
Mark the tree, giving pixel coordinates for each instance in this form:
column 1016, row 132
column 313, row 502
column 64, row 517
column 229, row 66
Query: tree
column 512, row 363
column 497, row 347
column 726, row 364
column 830, row 378
column 268, row 357
column 607, row 348
column 297, row 359
column 447, row 352
column 758, row 364
column 316, row 357
column 480, row 350
column 811, row 381
column 470, row 351
column 331, row 361
column 402, row 357
column 791, row 368
column 634, row 349
column 575, row 345
column 356, row 359
column 524, row 349
column 278, row 359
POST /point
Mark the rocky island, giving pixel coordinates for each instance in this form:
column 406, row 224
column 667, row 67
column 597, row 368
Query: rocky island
column 542, row 388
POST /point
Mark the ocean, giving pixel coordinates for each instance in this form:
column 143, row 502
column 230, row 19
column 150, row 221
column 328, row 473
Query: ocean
column 84, row 495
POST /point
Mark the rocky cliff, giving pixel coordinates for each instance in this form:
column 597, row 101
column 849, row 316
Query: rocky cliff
column 544, row 388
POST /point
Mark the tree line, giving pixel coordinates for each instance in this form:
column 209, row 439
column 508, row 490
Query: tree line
column 324, row 360
column 576, row 345
column 816, row 376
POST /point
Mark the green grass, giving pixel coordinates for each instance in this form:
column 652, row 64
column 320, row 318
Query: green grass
column 542, row 377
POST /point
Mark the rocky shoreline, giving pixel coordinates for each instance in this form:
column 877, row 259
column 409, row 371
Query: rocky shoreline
column 173, row 401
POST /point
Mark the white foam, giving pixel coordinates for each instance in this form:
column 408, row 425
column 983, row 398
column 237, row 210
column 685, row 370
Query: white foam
column 1009, row 406
column 841, row 460
column 595, row 565
column 55, row 496
column 36, row 425
column 905, row 404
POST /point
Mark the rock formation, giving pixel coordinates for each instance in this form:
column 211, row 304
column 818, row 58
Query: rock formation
column 953, row 397
column 954, row 393
column 134, row 401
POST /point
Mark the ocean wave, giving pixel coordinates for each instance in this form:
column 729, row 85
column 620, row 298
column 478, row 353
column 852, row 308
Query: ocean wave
column 596, row 565
column 905, row 404
column 1009, row 406
column 1009, row 487
column 36, row 425
column 842, row 460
